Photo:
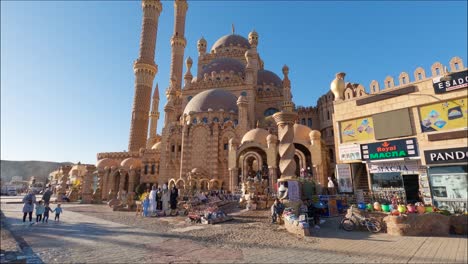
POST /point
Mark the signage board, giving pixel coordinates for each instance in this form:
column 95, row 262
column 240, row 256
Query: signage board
column 344, row 178
column 349, row 152
column 441, row 156
column 391, row 149
column 455, row 81
column 357, row 130
column 444, row 115
column 403, row 167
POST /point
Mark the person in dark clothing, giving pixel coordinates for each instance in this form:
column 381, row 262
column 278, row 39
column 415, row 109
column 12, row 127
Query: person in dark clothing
column 314, row 212
column 47, row 194
column 46, row 213
column 276, row 210
column 173, row 197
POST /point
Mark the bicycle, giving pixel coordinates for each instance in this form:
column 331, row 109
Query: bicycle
column 353, row 218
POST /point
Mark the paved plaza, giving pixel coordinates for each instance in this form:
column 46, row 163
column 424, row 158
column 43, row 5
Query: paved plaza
column 96, row 234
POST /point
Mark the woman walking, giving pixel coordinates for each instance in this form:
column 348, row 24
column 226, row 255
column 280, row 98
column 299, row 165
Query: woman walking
column 29, row 200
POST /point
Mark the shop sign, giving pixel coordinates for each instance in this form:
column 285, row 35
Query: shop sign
column 343, row 176
column 357, row 130
column 457, row 80
column 440, row 156
column 392, row 149
column 349, row 152
column 403, row 167
column 446, row 115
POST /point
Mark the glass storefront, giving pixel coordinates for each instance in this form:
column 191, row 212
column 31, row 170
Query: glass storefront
column 449, row 187
column 386, row 180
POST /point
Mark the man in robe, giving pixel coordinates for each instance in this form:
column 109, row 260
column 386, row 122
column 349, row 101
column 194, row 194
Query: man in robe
column 165, row 198
column 152, row 200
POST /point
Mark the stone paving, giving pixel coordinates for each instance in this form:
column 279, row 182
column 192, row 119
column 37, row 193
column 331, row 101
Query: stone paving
column 95, row 234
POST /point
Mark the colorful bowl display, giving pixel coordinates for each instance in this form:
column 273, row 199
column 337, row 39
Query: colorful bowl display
column 362, row 206
column 370, row 207
column 377, row 206
column 386, row 208
column 429, row 209
column 401, row 208
column 411, row 208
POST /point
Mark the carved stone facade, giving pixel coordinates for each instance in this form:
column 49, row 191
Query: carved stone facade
column 231, row 98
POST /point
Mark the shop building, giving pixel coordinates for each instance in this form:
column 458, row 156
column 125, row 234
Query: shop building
column 409, row 137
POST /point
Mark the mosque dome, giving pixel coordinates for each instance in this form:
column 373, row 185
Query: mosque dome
column 257, row 135
column 106, row 162
column 129, row 162
column 229, row 40
column 215, row 99
column 223, row 64
column 301, row 133
column 156, row 146
column 268, row 77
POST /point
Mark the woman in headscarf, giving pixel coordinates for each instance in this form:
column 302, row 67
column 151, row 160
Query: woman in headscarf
column 173, row 197
column 29, row 200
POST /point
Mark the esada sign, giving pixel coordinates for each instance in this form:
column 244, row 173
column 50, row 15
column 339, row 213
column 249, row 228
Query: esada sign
column 455, row 81
column 440, row 156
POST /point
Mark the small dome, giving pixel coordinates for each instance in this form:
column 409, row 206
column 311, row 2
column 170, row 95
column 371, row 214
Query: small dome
column 301, row 133
column 257, row 135
column 231, row 39
column 268, row 77
column 315, row 134
column 215, row 99
column 156, row 146
column 223, row 64
column 127, row 163
column 106, row 162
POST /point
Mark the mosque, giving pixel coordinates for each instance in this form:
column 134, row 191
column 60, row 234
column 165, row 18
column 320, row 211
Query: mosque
column 218, row 125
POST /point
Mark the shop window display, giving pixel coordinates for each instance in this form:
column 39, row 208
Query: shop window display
column 449, row 187
column 386, row 180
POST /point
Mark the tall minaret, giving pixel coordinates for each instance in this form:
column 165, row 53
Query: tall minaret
column 145, row 70
column 153, row 119
column 178, row 43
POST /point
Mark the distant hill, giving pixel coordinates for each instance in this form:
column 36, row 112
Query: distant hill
column 26, row 169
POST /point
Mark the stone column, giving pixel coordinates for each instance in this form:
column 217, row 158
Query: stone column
column 111, row 182
column 123, row 174
column 131, row 180
column 104, row 175
column 87, row 189
column 272, row 175
column 285, row 121
column 233, row 178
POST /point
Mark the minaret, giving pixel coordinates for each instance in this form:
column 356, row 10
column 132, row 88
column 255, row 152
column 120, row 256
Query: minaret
column 178, row 43
column 288, row 105
column 145, row 70
column 153, row 118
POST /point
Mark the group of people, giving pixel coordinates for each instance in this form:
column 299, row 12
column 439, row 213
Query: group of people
column 158, row 199
column 42, row 208
column 312, row 210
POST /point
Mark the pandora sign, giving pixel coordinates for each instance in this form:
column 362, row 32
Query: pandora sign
column 439, row 156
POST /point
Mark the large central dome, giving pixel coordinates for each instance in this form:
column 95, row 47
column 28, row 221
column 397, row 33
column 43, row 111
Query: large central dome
column 215, row 99
column 223, row 64
column 232, row 39
column 268, row 77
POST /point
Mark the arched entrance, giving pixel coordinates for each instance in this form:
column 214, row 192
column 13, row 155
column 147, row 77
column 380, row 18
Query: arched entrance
column 302, row 157
column 251, row 161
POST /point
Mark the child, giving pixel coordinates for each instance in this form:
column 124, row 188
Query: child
column 57, row 211
column 146, row 203
column 39, row 211
column 46, row 213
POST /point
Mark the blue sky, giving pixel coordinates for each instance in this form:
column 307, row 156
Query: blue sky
column 66, row 67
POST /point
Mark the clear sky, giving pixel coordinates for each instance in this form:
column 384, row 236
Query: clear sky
column 66, row 67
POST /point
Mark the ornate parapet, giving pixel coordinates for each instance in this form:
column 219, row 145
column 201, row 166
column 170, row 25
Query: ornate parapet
column 118, row 155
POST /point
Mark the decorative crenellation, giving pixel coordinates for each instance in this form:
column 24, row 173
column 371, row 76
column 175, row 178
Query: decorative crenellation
column 217, row 80
column 118, row 155
column 270, row 91
column 437, row 69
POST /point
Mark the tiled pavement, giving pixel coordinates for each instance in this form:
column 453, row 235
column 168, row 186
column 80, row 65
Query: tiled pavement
column 81, row 238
